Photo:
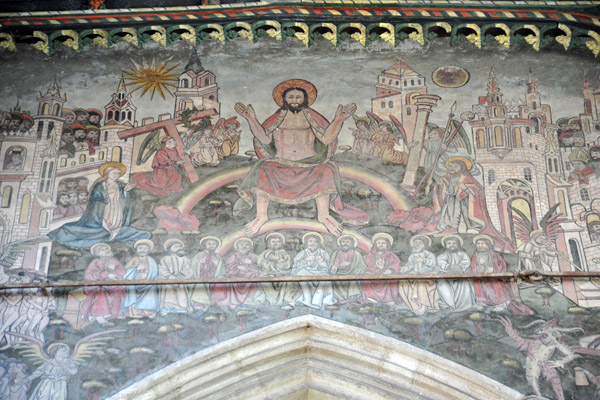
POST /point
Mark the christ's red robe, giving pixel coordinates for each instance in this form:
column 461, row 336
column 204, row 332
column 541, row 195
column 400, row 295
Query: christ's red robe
column 295, row 182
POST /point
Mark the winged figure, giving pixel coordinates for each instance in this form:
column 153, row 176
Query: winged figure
column 366, row 127
column 537, row 251
column 56, row 365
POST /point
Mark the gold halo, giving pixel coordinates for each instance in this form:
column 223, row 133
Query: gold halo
column 243, row 239
column 468, row 163
column 339, row 240
column 113, row 164
column 279, row 235
column 423, row 238
column 382, row 235
column 147, row 242
column 483, row 237
column 363, row 119
column 307, row 235
column 205, row 238
column 97, row 245
column 455, row 237
column 308, row 87
column 171, row 241
column 54, row 345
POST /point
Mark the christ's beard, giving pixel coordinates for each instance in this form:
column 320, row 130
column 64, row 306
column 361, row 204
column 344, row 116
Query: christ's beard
column 295, row 108
column 454, row 250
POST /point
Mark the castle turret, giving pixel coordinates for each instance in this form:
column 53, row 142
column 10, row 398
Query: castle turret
column 397, row 88
column 120, row 110
column 196, row 88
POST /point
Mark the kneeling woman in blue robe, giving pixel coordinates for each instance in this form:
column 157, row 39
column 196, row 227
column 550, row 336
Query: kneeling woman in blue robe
column 107, row 215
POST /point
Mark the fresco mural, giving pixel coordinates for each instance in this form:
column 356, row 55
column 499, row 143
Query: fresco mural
column 268, row 162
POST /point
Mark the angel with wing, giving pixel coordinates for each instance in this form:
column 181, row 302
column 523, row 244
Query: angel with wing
column 228, row 136
column 390, row 134
column 537, row 251
column 55, row 364
column 366, row 127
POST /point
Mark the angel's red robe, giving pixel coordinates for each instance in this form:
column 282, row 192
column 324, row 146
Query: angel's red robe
column 165, row 179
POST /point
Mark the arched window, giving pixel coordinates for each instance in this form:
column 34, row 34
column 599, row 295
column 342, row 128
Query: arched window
column 412, row 82
column 56, row 110
column 389, row 82
column 105, row 136
column 43, row 259
column 495, row 112
column 25, row 205
column 556, row 165
column 101, row 155
column 517, row 138
column 480, row 139
column 499, row 136
column 7, row 196
column 550, row 165
column 208, row 81
column 527, row 174
column 82, row 159
column 405, row 83
column 397, row 83
column 109, row 116
column 585, row 195
column 419, row 82
column 45, row 109
column 408, row 111
column 123, row 115
column 50, row 128
column 63, row 162
column 129, row 115
column 562, row 201
column 491, row 176
column 573, row 246
column 117, row 116
column 50, row 169
column 527, row 130
column 383, row 104
column 534, row 105
column 391, row 104
column 116, row 154
column 44, row 168
column 40, row 129
column 44, row 219
column 184, row 83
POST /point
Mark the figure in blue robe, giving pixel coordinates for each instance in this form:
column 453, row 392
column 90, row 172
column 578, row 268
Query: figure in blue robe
column 106, row 217
column 141, row 301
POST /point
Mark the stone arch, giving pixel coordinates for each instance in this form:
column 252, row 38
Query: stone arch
column 313, row 357
column 515, row 194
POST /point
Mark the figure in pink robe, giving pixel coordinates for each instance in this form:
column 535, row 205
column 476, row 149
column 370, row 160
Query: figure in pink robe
column 242, row 264
column 103, row 303
column 381, row 261
column 165, row 179
column 496, row 293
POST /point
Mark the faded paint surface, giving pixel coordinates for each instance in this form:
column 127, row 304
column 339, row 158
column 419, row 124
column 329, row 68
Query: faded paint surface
column 142, row 164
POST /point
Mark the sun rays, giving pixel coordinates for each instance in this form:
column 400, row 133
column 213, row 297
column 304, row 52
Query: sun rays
column 151, row 78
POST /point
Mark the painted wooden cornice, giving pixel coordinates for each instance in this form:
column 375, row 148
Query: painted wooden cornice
column 571, row 24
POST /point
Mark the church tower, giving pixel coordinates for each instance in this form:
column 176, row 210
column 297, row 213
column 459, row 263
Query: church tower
column 120, row 110
column 397, row 87
column 52, row 102
column 196, row 88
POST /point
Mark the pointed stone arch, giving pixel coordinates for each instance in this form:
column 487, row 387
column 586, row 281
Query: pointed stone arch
column 310, row 357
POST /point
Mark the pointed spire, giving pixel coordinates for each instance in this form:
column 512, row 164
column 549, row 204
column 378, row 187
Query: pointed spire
column 532, row 86
column 122, row 87
column 194, row 62
column 531, row 80
column 586, row 81
column 492, row 85
column 53, row 89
